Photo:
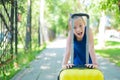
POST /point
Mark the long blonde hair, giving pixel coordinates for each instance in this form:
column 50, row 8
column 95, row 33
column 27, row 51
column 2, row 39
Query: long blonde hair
column 76, row 17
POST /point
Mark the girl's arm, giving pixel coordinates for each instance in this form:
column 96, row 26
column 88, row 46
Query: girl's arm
column 67, row 54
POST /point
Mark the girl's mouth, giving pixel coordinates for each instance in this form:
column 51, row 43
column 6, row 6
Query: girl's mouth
column 80, row 33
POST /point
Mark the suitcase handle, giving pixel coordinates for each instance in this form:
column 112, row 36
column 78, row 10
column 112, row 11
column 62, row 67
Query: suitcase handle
column 80, row 14
column 81, row 66
column 87, row 32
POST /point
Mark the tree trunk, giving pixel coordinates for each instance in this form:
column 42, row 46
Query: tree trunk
column 101, row 34
column 41, row 22
column 28, row 27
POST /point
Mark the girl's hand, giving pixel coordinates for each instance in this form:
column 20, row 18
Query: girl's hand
column 91, row 65
column 66, row 66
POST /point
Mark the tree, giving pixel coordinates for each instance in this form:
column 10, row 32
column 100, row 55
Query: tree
column 41, row 26
column 112, row 9
column 28, row 27
column 102, row 25
column 57, row 13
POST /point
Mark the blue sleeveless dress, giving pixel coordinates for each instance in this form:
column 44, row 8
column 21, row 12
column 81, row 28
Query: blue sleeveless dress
column 80, row 51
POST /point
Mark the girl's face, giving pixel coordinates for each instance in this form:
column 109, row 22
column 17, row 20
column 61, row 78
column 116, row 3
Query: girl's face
column 79, row 27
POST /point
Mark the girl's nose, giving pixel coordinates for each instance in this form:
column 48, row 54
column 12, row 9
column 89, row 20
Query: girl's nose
column 78, row 29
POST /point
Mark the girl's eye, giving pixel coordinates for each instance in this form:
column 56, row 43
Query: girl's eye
column 80, row 25
column 74, row 27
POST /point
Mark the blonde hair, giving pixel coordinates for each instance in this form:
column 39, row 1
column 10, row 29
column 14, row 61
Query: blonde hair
column 76, row 17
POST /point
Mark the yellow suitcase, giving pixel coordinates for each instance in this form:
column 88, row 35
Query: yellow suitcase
column 81, row 74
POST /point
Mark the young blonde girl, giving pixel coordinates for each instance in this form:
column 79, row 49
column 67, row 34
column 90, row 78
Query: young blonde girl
column 79, row 45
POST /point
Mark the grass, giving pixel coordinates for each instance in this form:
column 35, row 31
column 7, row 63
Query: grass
column 21, row 60
column 111, row 51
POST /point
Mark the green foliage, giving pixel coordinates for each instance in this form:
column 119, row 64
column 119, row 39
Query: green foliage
column 22, row 6
column 5, row 1
column 115, row 20
column 95, row 13
column 108, row 4
column 111, row 9
column 57, row 13
column 22, row 60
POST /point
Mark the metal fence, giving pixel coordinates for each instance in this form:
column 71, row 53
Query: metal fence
column 8, row 34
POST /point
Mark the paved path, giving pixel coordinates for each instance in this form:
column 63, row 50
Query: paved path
column 47, row 65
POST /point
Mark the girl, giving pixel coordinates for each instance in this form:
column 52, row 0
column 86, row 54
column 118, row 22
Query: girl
column 79, row 45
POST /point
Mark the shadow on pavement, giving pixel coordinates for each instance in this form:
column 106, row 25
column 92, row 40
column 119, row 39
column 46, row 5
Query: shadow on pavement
column 110, row 70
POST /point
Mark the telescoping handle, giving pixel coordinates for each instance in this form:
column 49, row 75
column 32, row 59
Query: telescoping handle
column 72, row 38
column 80, row 14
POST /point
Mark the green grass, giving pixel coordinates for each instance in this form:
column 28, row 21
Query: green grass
column 112, row 43
column 22, row 59
column 111, row 51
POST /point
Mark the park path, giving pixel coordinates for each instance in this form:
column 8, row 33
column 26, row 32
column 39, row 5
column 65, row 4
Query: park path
column 47, row 64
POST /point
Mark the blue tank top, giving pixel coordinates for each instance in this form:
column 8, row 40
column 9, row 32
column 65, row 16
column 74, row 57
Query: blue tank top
column 80, row 51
